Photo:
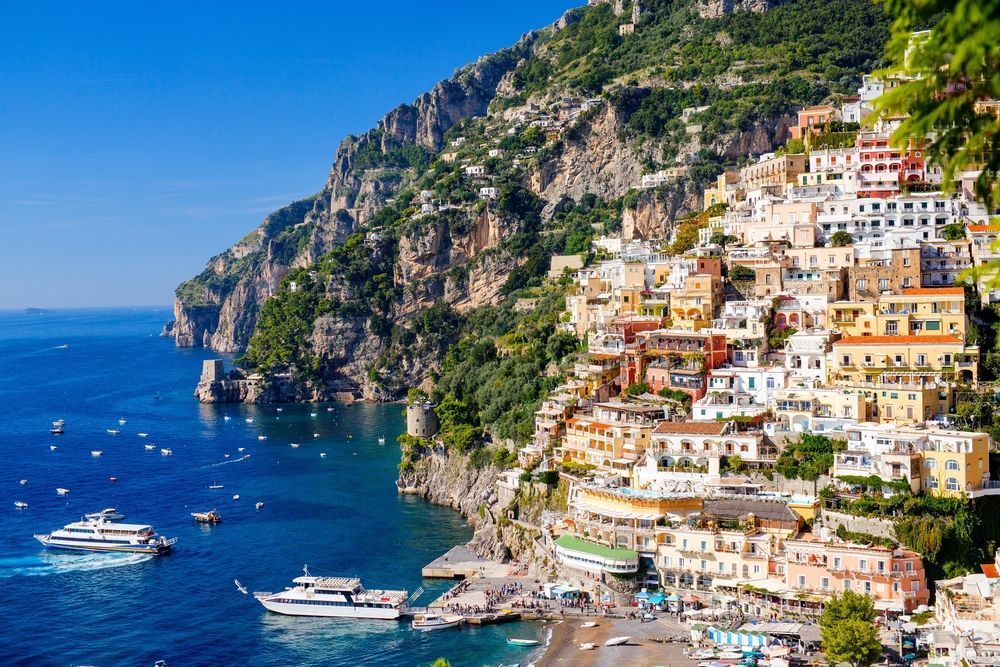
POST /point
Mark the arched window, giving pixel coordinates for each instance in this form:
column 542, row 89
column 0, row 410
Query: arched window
column 931, row 464
column 952, row 484
column 952, row 464
column 932, row 483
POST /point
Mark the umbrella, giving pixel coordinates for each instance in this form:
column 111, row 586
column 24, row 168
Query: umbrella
column 689, row 599
column 672, row 598
column 657, row 598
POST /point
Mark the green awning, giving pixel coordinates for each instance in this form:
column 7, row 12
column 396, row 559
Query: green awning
column 576, row 544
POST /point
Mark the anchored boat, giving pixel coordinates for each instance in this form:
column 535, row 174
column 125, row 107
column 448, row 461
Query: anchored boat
column 428, row 622
column 335, row 597
column 101, row 535
column 211, row 516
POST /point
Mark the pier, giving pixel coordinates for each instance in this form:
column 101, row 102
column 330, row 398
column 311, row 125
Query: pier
column 460, row 563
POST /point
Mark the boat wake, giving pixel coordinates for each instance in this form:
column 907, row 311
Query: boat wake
column 222, row 463
column 40, row 566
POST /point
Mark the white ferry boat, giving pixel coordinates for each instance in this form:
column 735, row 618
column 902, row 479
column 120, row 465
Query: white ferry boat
column 335, row 597
column 100, row 535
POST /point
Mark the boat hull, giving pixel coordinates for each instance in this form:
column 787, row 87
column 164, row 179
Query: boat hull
column 156, row 550
column 436, row 626
column 329, row 611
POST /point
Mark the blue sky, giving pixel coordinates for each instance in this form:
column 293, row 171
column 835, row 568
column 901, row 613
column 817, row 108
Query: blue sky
column 139, row 139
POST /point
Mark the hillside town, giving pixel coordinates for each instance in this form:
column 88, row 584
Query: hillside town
column 827, row 297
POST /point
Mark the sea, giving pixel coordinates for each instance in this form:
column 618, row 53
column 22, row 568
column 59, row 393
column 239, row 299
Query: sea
column 339, row 514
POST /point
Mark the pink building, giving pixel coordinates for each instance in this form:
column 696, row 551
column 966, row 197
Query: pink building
column 894, row 577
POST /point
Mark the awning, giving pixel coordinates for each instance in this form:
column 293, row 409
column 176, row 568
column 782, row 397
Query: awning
column 659, row 598
column 672, row 598
column 642, row 595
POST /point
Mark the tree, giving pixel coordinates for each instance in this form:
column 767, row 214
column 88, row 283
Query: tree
column 953, row 232
column 841, row 238
column 848, row 630
column 742, row 272
column 944, row 74
column 852, row 641
column 441, row 662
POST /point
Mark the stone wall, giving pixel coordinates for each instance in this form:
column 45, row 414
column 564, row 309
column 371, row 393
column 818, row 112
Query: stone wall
column 858, row 524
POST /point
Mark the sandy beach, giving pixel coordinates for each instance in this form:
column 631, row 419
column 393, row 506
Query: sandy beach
column 564, row 649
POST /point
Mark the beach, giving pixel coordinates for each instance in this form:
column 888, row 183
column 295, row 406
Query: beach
column 563, row 648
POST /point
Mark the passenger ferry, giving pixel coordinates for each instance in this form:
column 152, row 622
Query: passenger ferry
column 98, row 534
column 335, row 597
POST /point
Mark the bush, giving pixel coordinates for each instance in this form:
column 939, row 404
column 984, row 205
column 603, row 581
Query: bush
column 742, row 272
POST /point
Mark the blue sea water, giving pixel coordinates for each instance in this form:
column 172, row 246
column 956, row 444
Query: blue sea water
column 340, row 514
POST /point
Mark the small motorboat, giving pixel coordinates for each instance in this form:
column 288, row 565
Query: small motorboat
column 215, row 485
column 113, row 479
column 704, row 654
column 312, row 414
column 52, row 448
column 322, row 455
column 62, row 492
column 20, row 504
column 329, row 409
column 259, row 505
column 121, row 421
column 240, row 587
column 587, row 646
column 113, row 431
column 236, row 497
column 294, row 445
column 226, row 417
column 513, row 641
column 617, row 641
column 23, row 482
column 241, row 449
column 589, row 624
column 262, row 437
column 166, row 451
column 349, row 436
column 281, row 409
column 149, row 448
column 249, row 420
column 211, row 516
column 381, row 440
column 315, row 435
column 226, row 455
column 143, row 435
column 427, row 622
column 57, row 427
column 731, row 655
column 107, row 514
column 96, row 452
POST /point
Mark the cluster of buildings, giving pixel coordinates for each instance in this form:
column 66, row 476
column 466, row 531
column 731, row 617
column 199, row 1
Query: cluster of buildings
column 826, row 296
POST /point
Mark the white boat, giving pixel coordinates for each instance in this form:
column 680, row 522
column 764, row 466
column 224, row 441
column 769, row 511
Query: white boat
column 226, row 455
column 215, row 485
column 62, row 492
column 617, row 641
column 101, row 535
column 241, row 449
column 121, row 421
column 334, row 596
column 312, row 414
column 23, row 482
column 96, row 452
column 294, row 445
column 20, row 504
column 329, row 409
column 249, row 420
column 587, row 646
column 113, row 431
column 522, row 642
column 149, row 448
column 381, row 440
column 236, row 497
column 731, row 655
column 259, row 505
column 108, row 514
column 281, row 409
column 143, row 435
column 322, row 455
column 589, row 624
column 315, row 435
column 57, row 427
column 52, row 448
column 211, row 516
column 226, row 417
column 428, row 622
column 262, row 437
column 166, row 451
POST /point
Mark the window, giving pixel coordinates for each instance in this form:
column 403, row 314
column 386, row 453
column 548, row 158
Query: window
column 862, row 284
column 952, row 484
column 802, row 581
column 951, row 464
column 930, row 464
column 883, row 284
column 836, row 563
column 863, row 565
column 846, row 360
column 847, row 584
column 824, row 583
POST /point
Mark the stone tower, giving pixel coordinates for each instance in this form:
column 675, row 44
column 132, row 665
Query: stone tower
column 421, row 421
column 212, row 370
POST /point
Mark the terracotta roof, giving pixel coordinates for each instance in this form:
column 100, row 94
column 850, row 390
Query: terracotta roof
column 990, row 570
column 691, row 428
column 898, row 340
column 933, row 291
column 984, row 228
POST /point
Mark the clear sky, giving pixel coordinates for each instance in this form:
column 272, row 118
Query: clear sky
column 137, row 139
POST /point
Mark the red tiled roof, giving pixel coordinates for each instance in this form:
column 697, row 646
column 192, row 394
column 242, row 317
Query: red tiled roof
column 691, row 428
column 898, row 340
column 990, row 570
column 933, row 291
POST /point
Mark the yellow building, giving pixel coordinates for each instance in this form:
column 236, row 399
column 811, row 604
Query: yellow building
column 903, row 358
column 920, row 311
column 853, row 318
column 628, row 300
column 906, row 402
column 625, row 519
column 694, row 306
column 955, row 463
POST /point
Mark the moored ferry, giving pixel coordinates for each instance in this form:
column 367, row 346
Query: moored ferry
column 98, row 534
column 334, row 597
